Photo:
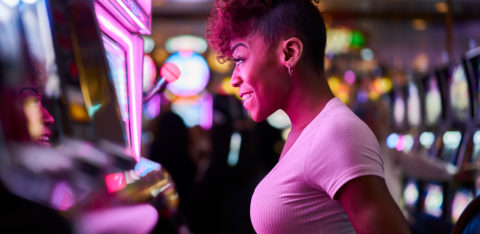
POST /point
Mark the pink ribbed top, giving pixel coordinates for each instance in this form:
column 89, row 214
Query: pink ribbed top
column 297, row 194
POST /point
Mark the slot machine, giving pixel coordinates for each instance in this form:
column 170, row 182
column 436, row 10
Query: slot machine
column 444, row 197
column 472, row 62
column 415, row 122
column 91, row 57
column 435, row 112
column 468, row 188
column 398, row 117
column 424, row 190
column 415, row 115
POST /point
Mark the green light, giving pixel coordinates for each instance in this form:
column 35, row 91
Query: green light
column 358, row 40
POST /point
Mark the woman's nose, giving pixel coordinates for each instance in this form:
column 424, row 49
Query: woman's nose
column 47, row 117
column 235, row 81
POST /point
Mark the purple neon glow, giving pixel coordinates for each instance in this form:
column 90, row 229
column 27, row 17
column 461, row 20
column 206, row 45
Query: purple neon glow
column 62, row 196
column 206, row 118
column 138, row 218
column 349, row 76
column 153, row 107
column 133, row 45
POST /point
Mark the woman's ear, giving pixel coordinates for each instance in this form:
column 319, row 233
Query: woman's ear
column 292, row 49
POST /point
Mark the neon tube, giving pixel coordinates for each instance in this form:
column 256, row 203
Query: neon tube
column 134, row 47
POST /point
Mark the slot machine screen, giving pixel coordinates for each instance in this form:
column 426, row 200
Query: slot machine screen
column 451, row 143
column 460, row 201
column 476, row 147
column 434, row 201
column 398, row 109
column 411, row 194
column 473, row 65
column 408, row 143
column 427, row 139
column 459, row 93
column 413, row 105
column 118, row 76
column 433, row 101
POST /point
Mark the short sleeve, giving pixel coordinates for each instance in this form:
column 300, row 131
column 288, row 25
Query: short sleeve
column 342, row 148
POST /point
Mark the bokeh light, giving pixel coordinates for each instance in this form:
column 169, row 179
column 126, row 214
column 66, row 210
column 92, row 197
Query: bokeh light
column 367, row 54
column 279, row 120
column 349, row 76
column 194, row 73
column 149, row 73
column 411, row 194
column 186, row 43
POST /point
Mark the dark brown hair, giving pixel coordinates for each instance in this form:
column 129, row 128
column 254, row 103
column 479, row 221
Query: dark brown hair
column 272, row 19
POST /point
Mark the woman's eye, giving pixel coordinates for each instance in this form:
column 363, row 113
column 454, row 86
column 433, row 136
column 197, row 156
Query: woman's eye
column 237, row 61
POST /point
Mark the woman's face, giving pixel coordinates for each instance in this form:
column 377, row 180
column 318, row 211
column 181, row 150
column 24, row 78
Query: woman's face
column 263, row 81
column 39, row 120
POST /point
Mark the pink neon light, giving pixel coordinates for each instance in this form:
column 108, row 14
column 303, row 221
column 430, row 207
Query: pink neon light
column 400, row 143
column 146, row 5
column 134, row 45
column 132, row 14
column 206, row 118
column 115, row 182
column 170, row 72
column 143, row 27
column 62, row 196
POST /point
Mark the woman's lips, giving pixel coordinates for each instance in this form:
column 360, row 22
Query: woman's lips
column 43, row 140
column 246, row 95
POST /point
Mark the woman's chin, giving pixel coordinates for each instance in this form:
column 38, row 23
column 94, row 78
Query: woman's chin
column 43, row 143
column 257, row 117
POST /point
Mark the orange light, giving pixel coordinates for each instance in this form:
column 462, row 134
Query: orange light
column 228, row 88
column 419, row 24
column 79, row 113
column 441, row 7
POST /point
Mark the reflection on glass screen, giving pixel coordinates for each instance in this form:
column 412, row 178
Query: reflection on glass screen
column 398, row 111
column 451, row 142
column 411, row 194
column 413, row 105
column 460, row 201
column 433, row 102
column 476, row 68
column 459, row 93
column 116, row 61
column 476, row 146
column 434, row 200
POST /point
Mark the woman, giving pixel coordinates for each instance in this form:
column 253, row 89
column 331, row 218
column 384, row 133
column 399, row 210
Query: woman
column 329, row 178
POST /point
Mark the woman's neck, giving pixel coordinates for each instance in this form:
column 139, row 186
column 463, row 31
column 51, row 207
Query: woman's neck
column 307, row 98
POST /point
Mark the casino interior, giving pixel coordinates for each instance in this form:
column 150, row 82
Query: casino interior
column 116, row 116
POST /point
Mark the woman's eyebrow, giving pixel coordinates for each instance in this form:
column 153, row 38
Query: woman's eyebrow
column 237, row 45
column 24, row 89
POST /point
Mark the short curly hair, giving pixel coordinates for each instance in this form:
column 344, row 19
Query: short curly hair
column 272, row 19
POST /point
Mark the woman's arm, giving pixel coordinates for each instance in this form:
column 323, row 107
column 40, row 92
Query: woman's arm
column 370, row 207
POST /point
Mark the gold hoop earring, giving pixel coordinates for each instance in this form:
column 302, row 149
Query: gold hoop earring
column 290, row 71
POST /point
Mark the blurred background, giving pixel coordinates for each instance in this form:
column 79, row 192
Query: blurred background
column 409, row 68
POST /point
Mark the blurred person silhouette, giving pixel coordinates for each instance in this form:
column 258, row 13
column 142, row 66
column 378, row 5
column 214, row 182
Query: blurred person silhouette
column 330, row 175
column 223, row 194
column 170, row 148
